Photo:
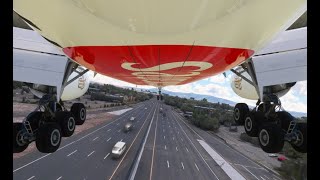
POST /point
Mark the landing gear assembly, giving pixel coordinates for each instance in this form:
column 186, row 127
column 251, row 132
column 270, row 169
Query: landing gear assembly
column 272, row 126
column 269, row 122
column 50, row 121
column 47, row 124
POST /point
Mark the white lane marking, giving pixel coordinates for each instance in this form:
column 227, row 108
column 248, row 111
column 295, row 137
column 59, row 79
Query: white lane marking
column 196, row 166
column 90, row 153
column 135, row 166
column 59, row 177
column 225, row 166
column 106, row 156
column 181, row 139
column 266, row 176
column 119, row 130
column 154, row 144
column 262, row 178
column 165, row 147
column 109, row 129
column 173, row 138
column 31, row 178
column 108, row 139
column 195, row 148
column 121, row 140
column 95, row 138
column 225, row 145
column 250, row 172
column 72, row 153
column 119, row 112
column 164, row 137
column 276, row 177
column 182, row 165
column 168, row 163
column 187, row 149
column 176, row 148
column 249, row 166
column 178, row 132
column 31, row 162
column 69, row 143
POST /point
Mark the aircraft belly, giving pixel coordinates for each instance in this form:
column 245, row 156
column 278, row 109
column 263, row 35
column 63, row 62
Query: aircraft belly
column 157, row 65
column 97, row 34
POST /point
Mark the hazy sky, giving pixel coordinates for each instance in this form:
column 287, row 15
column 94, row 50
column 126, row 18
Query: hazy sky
column 219, row 86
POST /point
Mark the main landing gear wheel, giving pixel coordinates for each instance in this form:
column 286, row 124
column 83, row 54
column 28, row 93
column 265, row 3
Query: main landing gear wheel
column 286, row 118
column 300, row 144
column 79, row 112
column 19, row 144
column 251, row 123
column 271, row 138
column 239, row 113
column 48, row 138
column 67, row 123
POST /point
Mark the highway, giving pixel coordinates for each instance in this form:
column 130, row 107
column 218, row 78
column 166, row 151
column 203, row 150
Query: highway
column 161, row 145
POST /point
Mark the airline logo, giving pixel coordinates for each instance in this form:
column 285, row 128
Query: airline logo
column 81, row 82
column 156, row 76
column 237, row 82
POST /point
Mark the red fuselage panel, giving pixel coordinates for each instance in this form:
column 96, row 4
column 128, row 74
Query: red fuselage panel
column 158, row 65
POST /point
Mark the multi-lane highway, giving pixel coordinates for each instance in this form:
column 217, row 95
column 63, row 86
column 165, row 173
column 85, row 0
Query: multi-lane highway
column 161, row 145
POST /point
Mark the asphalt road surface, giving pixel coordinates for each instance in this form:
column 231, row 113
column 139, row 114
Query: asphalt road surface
column 160, row 146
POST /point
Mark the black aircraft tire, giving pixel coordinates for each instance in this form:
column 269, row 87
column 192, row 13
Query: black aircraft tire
column 271, row 138
column 285, row 119
column 79, row 112
column 239, row 113
column 18, row 146
column 302, row 146
column 48, row 138
column 251, row 123
column 67, row 123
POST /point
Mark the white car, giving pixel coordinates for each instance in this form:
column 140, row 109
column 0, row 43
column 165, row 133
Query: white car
column 118, row 149
column 273, row 155
column 132, row 118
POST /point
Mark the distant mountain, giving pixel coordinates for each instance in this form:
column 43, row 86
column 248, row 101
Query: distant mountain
column 298, row 114
column 212, row 99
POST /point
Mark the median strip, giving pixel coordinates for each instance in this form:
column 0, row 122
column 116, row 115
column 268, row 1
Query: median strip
column 225, row 166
